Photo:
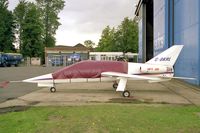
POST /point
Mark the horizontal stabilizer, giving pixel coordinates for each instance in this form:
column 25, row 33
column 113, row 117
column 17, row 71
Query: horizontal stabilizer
column 186, row 78
column 157, row 81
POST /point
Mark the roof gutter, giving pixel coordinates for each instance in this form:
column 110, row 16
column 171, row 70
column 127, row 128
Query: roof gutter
column 139, row 6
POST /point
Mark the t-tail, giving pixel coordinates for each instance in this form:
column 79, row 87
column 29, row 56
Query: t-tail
column 168, row 57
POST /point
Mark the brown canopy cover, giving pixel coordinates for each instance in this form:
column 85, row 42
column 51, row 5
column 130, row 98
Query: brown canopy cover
column 90, row 69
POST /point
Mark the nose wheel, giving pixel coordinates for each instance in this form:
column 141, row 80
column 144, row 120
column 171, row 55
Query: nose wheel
column 115, row 85
column 52, row 89
column 126, row 94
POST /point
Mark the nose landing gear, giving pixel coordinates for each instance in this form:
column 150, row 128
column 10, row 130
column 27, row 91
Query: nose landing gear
column 52, row 89
column 115, row 85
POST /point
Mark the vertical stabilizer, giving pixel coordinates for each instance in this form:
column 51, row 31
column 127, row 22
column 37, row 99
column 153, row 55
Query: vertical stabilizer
column 168, row 57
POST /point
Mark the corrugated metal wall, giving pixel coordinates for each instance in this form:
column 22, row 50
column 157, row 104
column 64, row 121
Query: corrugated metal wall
column 159, row 26
column 142, row 34
column 140, row 47
column 177, row 22
column 186, row 32
column 182, row 28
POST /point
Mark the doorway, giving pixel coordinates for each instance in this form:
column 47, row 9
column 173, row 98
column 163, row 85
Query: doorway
column 149, row 30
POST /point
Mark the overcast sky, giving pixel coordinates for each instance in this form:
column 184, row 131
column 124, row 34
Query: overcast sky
column 85, row 19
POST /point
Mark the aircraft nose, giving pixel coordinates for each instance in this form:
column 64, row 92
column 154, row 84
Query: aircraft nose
column 39, row 78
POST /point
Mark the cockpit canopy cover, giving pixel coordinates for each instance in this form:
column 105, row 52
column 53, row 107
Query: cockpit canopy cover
column 90, row 69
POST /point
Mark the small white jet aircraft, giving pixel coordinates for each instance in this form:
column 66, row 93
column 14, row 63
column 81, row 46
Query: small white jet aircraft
column 158, row 69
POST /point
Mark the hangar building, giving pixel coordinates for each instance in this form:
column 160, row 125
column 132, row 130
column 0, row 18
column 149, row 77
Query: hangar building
column 65, row 55
column 163, row 23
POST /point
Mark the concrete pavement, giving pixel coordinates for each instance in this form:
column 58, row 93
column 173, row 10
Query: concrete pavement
column 172, row 92
column 20, row 73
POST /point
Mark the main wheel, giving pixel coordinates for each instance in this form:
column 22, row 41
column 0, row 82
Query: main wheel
column 115, row 85
column 126, row 93
column 53, row 89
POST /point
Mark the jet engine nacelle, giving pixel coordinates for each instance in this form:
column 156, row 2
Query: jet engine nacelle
column 155, row 69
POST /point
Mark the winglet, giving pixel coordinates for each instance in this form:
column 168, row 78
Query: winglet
column 4, row 84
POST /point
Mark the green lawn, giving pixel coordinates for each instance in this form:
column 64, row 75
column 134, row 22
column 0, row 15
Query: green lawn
column 106, row 118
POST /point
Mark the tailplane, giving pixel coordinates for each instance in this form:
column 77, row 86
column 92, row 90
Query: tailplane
column 168, row 57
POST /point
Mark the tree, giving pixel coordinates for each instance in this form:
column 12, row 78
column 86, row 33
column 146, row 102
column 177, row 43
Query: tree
column 32, row 30
column 127, row 36
column 19, row 14
column 50, row 10
column 107, row 40
column 89, row 44
column 7, row 28
column 123, row 39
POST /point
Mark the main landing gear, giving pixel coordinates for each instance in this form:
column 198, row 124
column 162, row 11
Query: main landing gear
column 125, row 93
column 52, row 89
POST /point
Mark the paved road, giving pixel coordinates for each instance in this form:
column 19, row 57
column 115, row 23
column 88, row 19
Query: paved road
column 15, row 90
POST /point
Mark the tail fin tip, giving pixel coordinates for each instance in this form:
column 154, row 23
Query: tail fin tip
column 168, row 57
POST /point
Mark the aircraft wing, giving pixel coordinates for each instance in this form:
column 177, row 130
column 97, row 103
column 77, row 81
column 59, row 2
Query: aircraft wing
column 185, row 78
column 129, row 76
column 124, row 77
